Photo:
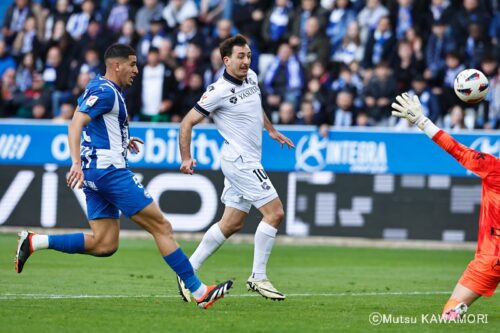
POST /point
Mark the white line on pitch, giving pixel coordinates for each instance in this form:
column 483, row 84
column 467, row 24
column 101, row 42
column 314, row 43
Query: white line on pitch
column 359, row 294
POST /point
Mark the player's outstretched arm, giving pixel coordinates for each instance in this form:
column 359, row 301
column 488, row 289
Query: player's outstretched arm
column 276, row 135
column 79, row 120
column 409, row 107
column 190, row 120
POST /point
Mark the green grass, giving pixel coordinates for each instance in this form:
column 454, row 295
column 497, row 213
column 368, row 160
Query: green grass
column 344, row 285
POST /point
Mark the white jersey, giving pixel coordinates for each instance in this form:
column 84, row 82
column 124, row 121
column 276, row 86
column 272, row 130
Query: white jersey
column 236, row 107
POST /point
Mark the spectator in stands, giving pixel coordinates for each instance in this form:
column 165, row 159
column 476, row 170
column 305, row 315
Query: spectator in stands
column 476, row 45
column 307, row 9
column 150, row 9
column 369, row 17
column 25, row 71
column 62, row 12
column 314, row 45
column 344, row 113
column 455, row 121
column 61, row 39
column 284, row 79
column 441, row 11
column 167, row 55
column 347, row 80
column 430, row 104
column 8, row 90
column 177, row 11
column 286, row 114
column 407, row 66
column 471, row 12
column 351, row 48
column 381, row 45
column 78, row 22
column 406, row 14
column 153, row 38
column 248, row 17
column 81, row 82
column 96, row 37
column 35, row 101
column 189, row 96
column 56, row 76
column 341, row 16
column 211, row 10
column 379, row 94
column 193, row 62
column 120, row 13
column 452, row 68
column 223, row 31
column 6, row 60
column 277, row 24
column 494, row 112
column 127, row 34
column 91, row 64
column 216, row 68
column 67, row 111
column 155, row 89
column 188, row 33
column 494, row 33
column 14, row 19
column 438, row 44
column 308, row 115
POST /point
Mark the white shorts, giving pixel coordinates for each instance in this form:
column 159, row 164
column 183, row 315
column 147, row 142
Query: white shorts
column 246, row 184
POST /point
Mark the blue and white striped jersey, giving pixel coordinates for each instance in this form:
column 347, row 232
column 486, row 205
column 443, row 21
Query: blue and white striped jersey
column 106, row 137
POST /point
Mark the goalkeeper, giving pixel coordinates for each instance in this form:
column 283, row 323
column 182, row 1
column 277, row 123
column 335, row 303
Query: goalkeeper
column 482, row 275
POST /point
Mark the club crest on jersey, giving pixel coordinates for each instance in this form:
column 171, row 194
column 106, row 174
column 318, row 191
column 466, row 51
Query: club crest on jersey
column 91, row 101
column 233, row 100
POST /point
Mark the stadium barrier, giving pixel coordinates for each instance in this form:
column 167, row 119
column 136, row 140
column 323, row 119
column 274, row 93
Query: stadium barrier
column 373, row 184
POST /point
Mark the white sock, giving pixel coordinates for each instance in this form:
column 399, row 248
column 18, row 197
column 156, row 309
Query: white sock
column 200, row 291
column 211, row 241
column 264, row 241
column 39, row 242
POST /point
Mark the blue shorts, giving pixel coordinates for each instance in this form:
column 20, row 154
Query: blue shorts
column 112, row 190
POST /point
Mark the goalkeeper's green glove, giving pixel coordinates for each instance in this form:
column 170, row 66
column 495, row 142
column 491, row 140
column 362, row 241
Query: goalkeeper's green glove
column 409, row 108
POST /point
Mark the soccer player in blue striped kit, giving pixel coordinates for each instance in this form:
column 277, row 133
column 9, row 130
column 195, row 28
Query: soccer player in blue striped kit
column 99, row 140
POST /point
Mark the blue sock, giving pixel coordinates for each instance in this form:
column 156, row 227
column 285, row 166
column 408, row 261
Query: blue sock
column 179, row 262
column 69, row 243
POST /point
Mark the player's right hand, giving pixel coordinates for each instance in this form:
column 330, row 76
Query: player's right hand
column 407, row 107
column 188, row 166
column 75, row 176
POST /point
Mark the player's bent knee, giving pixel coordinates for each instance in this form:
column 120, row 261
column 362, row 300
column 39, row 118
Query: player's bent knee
column 106, row 251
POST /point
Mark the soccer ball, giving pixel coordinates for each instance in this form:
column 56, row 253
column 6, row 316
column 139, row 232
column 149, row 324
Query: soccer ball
column 471, row 86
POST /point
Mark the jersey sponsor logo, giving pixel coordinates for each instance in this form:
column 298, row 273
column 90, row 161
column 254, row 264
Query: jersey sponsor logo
column 91, row 100
column 13, row 146
column 248, row 92
column 233, row 100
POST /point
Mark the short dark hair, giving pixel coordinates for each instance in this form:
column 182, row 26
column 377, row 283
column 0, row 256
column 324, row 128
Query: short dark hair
column 226, row 47
column 119, row 51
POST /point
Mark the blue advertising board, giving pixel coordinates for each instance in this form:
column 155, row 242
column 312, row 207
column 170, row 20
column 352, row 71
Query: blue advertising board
column 369, row 151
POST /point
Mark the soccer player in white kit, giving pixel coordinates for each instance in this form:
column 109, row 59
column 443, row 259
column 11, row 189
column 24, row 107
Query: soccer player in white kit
column 234, row 101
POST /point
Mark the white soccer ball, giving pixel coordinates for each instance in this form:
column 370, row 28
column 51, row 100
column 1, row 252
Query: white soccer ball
column 471, row 86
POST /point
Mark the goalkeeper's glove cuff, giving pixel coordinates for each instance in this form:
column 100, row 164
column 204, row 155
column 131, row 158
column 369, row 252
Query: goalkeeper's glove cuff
column 427, row 126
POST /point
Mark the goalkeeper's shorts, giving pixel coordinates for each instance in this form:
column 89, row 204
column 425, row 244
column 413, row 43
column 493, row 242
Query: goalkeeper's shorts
column 246, row 184
column 482, row 275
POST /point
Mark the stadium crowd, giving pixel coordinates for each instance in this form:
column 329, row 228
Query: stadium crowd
column 321, row 62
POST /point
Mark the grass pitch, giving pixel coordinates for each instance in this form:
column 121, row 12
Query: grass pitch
column 329, row 289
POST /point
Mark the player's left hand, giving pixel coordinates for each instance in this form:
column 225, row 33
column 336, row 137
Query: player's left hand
column 283, row 140
column 133, row 146
column 75, row 176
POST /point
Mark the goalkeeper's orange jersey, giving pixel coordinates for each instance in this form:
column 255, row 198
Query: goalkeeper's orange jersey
column 487, row 167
